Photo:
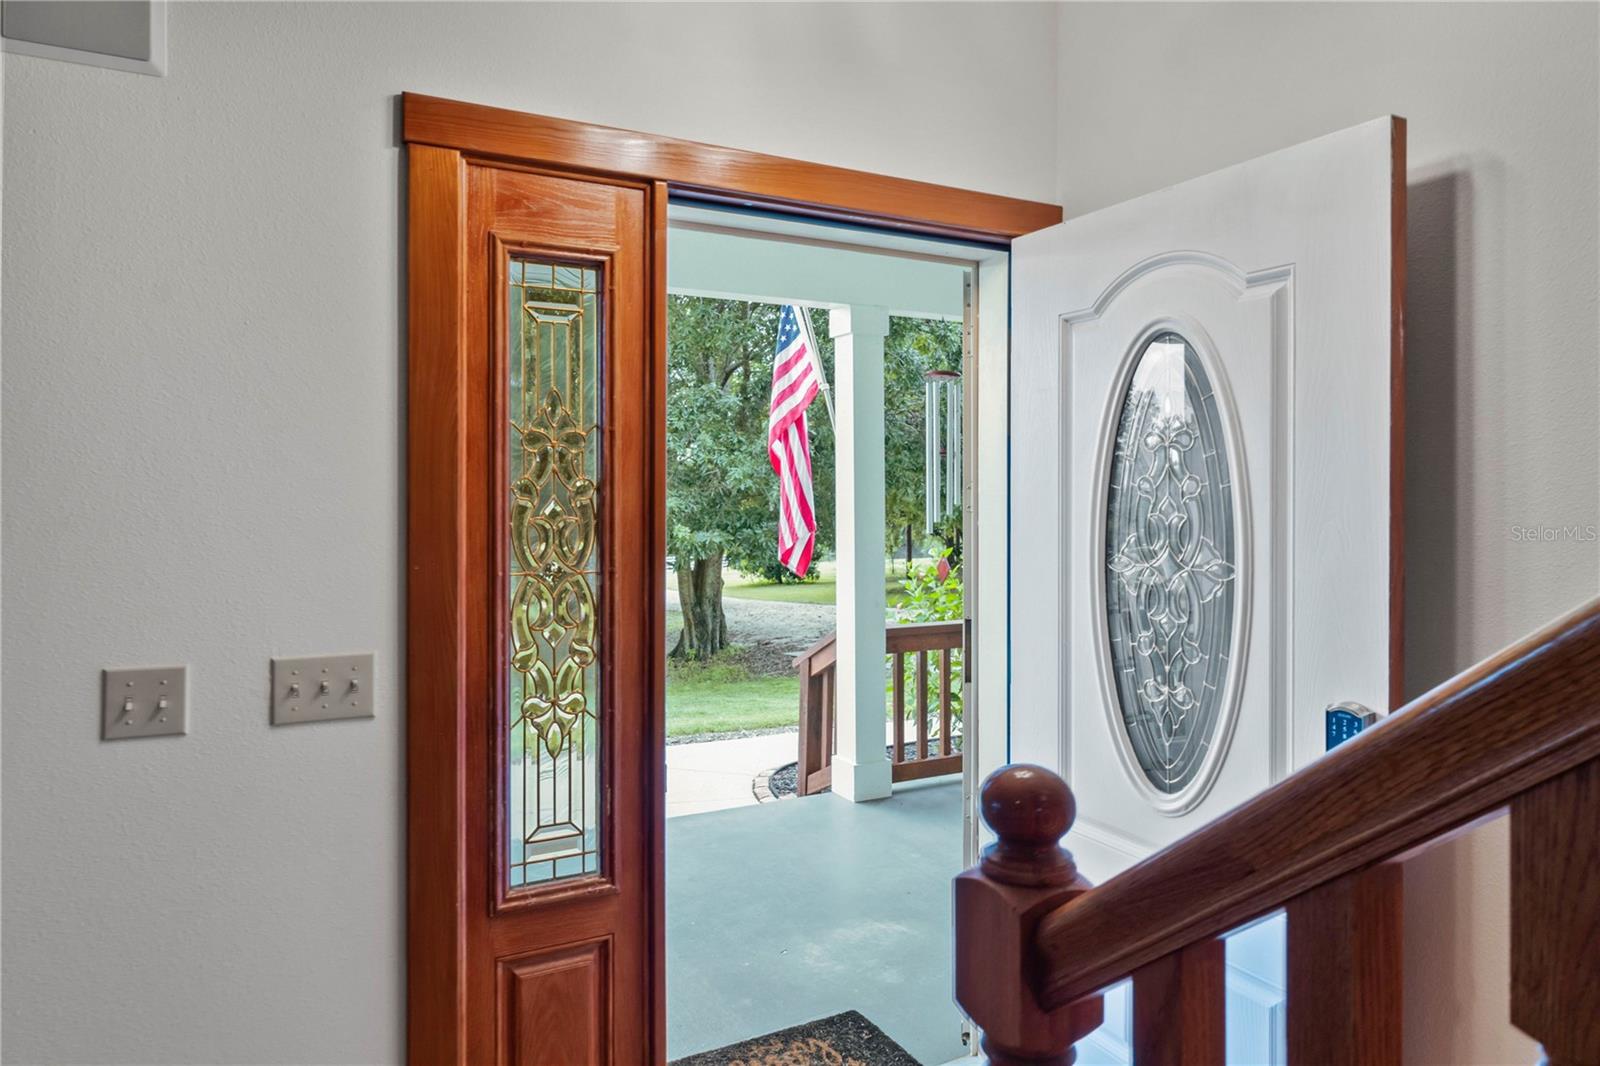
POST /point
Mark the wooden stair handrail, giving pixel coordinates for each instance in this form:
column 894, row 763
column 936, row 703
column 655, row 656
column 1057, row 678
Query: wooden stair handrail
column 1462, row 751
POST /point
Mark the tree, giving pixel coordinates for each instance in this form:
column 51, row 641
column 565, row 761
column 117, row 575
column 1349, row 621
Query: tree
column 914, row 347
column 722, row 495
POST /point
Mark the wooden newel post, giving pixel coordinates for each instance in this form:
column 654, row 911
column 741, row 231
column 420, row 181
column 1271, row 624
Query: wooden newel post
column 999, row 904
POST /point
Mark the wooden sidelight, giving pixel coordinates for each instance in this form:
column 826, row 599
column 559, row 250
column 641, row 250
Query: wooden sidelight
column 536, row 533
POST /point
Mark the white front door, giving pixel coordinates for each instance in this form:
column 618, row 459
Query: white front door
column 1204, row 484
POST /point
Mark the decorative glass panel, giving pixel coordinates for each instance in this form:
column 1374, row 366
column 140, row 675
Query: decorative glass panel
column 553, row 750
column 1170, row 563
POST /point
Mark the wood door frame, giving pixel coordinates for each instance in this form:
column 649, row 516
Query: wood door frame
column 722, row 175
column 442, row 137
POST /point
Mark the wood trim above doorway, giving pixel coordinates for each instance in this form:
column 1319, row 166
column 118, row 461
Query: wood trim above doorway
column 728, row 175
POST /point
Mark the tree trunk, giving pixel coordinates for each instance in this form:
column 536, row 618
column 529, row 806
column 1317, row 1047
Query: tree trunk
column 705, row 627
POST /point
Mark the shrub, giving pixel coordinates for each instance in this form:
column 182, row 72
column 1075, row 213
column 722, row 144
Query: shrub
column 933, row 593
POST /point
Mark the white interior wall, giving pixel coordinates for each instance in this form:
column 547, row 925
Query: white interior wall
column 202, row 289
column 1503, row 392
column 203, row 463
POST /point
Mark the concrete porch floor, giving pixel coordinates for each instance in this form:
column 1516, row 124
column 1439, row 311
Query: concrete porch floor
column 785, row 912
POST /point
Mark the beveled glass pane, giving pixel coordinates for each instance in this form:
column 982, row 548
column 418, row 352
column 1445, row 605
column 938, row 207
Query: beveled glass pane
column 1170, row 563
column 553, row 747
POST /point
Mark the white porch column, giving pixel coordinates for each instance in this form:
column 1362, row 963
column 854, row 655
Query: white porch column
column 860, row 769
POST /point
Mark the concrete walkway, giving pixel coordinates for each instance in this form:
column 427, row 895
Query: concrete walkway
column 714, row 775
column 785, row 912
column 717, row 774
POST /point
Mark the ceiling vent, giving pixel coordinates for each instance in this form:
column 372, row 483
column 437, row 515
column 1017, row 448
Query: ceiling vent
column 126, row 35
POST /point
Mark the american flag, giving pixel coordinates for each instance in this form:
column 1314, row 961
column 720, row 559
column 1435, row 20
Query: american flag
column 796, row 380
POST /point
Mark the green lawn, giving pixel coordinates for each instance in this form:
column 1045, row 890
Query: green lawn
column 823, row 590
column 724, row 698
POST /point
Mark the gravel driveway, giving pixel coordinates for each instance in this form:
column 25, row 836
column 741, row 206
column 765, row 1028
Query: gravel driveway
column 773, row 633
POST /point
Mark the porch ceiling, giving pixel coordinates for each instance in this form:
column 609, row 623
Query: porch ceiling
column 733, row 265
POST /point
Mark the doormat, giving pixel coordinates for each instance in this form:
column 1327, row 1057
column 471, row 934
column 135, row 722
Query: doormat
column 846, row 1039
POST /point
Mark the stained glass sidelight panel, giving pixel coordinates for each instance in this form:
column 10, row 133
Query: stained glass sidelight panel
column 553, row 750
column 1170, row 563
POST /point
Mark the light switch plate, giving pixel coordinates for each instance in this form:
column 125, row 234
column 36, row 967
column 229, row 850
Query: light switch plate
column 150, row 701
column 320, row 688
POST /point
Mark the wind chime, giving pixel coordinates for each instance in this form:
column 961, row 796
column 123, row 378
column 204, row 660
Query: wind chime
column 941, row 466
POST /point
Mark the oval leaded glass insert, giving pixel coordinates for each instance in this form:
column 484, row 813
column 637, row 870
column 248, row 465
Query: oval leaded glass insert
column 553, row 748
column 1170, row 563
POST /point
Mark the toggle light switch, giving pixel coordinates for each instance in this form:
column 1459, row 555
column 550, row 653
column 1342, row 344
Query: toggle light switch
column 321, row 688
column 146, row 702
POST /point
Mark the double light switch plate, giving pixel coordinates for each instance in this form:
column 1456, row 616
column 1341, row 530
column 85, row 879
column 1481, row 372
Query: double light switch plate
column 150, row 701
column 320, row 688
